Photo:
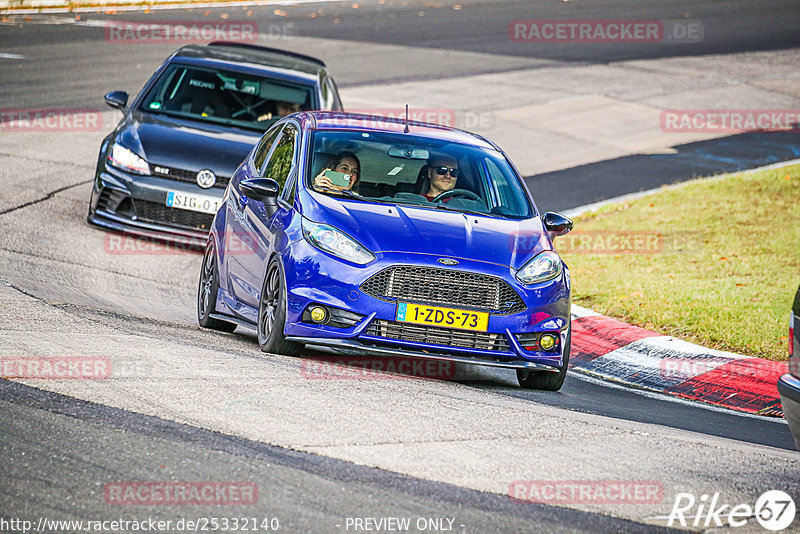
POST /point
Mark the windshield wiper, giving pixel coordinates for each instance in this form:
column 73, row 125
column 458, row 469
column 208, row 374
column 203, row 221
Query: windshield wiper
column 344, row 192
column 406, row 203
column 242, row 125
column 446, row 207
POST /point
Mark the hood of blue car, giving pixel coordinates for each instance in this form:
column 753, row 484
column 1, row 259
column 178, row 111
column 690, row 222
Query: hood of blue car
column 399, row 228
column 183, row 144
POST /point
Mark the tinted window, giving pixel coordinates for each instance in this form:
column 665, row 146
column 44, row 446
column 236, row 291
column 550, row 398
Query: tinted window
column 225, row 97
column 280, row 164
column 263, row 147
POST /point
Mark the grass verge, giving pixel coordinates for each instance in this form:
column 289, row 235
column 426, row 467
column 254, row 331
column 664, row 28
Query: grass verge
column 715, row 262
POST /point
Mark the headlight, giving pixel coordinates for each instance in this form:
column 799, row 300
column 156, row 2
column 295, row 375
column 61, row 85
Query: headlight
column 333, row 241
column 127, row 160
column 544, row 266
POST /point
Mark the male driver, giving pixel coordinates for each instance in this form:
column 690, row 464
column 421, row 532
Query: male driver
column 287, row 108
column 442, row 175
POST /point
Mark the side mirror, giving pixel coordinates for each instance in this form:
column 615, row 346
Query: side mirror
column 556, row 224
column 263, row 189
column 117, row 99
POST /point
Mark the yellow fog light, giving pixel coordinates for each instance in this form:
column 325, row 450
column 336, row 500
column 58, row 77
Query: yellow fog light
column 547, row 341
column 318, row 314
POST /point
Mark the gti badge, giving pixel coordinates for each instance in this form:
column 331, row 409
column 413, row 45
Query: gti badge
column 447, row 261
column 206, row 178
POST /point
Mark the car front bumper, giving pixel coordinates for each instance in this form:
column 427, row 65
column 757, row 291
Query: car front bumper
column 324, row 280
column 789, row 389
column 137, row 205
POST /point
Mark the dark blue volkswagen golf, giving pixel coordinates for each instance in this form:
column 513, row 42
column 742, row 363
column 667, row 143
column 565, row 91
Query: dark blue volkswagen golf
column 385, row 237
column 163, row 170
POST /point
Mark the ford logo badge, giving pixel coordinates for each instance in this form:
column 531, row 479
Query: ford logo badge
column 447, row 261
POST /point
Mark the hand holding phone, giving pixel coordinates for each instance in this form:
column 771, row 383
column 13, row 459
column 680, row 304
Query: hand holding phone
column 338, row 178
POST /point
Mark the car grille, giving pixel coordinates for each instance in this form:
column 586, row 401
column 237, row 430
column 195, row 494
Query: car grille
column 444, row 286
column 160, row 213
column 437, row 336
column 186, row 176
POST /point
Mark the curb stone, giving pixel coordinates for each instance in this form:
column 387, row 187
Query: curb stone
column 613, row 350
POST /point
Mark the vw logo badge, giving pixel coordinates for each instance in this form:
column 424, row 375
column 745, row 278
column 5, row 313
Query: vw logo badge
column 206, row 178
column 447, row 261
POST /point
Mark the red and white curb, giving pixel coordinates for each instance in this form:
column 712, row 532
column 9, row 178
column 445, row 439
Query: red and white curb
column 612, row 350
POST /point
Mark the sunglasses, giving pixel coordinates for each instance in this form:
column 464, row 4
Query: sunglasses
column 441, row 171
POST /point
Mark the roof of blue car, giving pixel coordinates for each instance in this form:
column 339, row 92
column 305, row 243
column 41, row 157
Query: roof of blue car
column 254, row 55
column 342, row 120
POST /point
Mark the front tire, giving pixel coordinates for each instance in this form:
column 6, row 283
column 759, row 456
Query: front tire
column 272, row 313
column 547, row 380
column 207, row 293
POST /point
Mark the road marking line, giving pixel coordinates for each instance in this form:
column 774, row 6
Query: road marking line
column 11, row 56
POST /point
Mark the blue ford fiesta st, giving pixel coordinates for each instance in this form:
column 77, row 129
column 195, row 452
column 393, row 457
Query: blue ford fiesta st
column 384, row 237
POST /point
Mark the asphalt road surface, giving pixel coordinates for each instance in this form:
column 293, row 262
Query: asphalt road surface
column 205, row 406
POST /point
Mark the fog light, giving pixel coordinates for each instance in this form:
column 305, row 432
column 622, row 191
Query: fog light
column 547, row 341
column 318, row 314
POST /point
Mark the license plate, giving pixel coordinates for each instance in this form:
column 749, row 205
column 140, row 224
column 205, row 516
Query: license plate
column 187, row 201
column 437, row 316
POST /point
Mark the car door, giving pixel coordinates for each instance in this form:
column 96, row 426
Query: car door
column 239, row 241
column 257, row 224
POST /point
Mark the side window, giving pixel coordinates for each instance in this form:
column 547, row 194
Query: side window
column 264, row 146
column 280, row 164
column 336, row 104
column 327, row 95
column 501, row 189
column 288, row 193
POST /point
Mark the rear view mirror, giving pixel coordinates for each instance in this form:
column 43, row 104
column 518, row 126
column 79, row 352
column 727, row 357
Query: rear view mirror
column 408, row 152
column 117, row 99
column 556, row 224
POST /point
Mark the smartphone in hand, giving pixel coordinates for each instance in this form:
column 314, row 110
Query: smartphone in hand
column 338, row 178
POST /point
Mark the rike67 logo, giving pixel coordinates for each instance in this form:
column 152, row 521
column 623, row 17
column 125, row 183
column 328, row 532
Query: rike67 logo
column 774, row 510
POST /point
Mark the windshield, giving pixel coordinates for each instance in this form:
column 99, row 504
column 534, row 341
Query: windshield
column 225, row 97
column 411, row 170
